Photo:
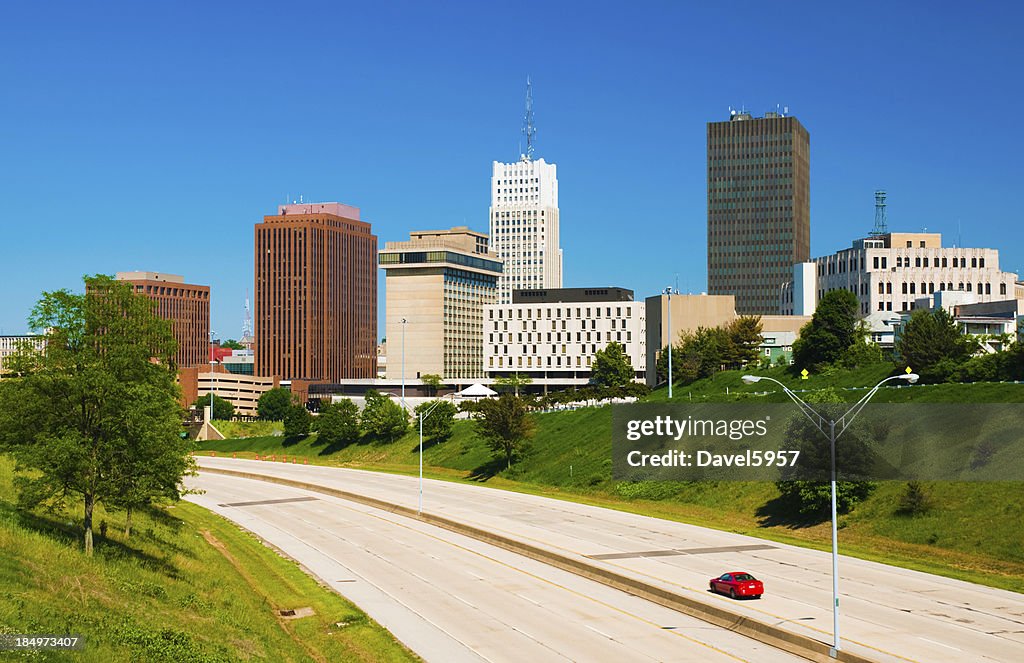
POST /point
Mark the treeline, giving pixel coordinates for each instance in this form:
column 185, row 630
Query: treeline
column 704, row 352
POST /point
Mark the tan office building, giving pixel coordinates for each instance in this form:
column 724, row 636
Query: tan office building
column 438, row 283
column 316, row 294
column 187, row 306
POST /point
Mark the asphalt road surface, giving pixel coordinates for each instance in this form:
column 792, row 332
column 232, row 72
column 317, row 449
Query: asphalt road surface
column 451, row 598
column 888, row 613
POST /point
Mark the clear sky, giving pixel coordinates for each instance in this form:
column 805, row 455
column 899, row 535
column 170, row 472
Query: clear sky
column 153, row 135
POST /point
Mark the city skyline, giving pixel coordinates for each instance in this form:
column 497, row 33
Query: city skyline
column 141, row 151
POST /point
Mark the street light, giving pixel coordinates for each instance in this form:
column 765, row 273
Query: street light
column 668, row 291
column 403, row 364
column 213, row 386
column 821, row 424
column 422, row 416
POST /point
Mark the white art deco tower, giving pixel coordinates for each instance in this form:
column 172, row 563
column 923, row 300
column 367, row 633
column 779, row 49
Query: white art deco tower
column 524, row 219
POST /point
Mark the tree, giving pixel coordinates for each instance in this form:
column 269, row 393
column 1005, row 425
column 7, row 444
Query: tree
column 830, row 333
column 863, row 351
column 611, row 367
column 432, row 382
column 95, row 415
column 439, row 423
column 383, row 418
column 338, row 423
column 744, row 340
column 932, row 345
column 505, row 425
column 222, row 408
column 513, row 382
column 274, row 404
column 812, row 498
column 678, row 367
column 297, row 421
column 232, row 344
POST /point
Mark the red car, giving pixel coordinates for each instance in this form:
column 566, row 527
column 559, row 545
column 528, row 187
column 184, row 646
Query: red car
column 737, row 584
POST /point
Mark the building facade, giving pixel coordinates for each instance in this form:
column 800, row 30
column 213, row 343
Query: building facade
column 316, row 294
column 524, row 226
column 242, row 391
column 759, row 222
column 890, row 272
column 552, row 335
column 10, row 344
column 438, row 283
column 185, row 305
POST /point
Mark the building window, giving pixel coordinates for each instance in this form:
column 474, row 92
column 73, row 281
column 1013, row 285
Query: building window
column 1002, row 288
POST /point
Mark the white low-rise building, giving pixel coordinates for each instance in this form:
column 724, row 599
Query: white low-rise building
column 890, row 272
column 552, row 335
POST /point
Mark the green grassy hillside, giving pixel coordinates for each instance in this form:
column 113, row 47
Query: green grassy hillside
column 570, row 458
column 186, row 586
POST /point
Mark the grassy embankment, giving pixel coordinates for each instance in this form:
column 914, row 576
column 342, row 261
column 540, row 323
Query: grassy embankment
column 570, row 459
column 187, row 586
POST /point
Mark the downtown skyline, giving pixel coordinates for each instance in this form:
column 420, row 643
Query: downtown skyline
column 130, row 150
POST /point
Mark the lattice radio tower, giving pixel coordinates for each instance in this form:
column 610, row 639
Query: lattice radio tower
column 881, row 225
column 529, row 129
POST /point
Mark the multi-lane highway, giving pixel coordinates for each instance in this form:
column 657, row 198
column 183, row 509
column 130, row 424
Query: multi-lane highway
column 888, row 614
column 451, row 598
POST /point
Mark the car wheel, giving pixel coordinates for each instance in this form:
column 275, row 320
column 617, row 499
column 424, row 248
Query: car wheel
column 732, row 593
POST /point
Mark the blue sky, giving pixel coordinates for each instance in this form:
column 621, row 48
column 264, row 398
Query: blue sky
column 153, row 136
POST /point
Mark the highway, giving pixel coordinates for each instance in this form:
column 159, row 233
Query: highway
column 452, row 598
column 888, row 613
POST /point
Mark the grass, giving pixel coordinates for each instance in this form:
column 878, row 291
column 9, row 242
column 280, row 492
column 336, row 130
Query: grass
column 570, row 458
column 187, row 586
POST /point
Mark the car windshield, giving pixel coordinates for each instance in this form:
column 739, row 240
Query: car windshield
column 744, row 576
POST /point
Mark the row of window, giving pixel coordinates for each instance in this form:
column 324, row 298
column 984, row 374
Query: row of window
column 558, row 337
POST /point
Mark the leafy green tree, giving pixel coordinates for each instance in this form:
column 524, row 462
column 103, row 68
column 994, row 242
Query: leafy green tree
column 863, row 351
column 437, row 425
column 432, row 382
column 95, row 415
column 297, row 421
column 611, row 367
column 274, row 404
column 383, row 418
column 338, row 423
column 512, row 382
column 505, row 425
column 232, row 344
column 932, row 344
column 678, row 367
column 830, row 333
column 223, row 409
column 812, row 498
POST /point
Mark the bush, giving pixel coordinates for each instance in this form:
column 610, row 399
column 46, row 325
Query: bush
column 338, row 423
column 438, row 423
column 296, row 421
column 915, row 500
column 383, row 418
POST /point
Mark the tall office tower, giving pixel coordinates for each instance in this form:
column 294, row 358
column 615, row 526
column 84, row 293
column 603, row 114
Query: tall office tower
column 438, row 283
column 186, row 306
column 758, row 207
column 316, row 294
column 524, row 218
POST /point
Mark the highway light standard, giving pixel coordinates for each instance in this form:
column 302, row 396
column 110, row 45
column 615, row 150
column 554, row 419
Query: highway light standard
column 828, row 428
column 213, row 385
column 668, row 291
column 404, row 321
column 422, row 416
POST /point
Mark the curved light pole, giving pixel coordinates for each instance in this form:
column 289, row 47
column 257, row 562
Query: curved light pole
column 404, row 321
column 828, row 428
column 213, row 386
column 421, row 416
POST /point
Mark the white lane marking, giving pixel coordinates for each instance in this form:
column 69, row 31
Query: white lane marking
column 941, row 644
column 599, row 632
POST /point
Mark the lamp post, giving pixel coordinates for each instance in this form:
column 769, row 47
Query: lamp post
column 404, row 321
column 213, row 386
column 828, row 428
column 422, row 416
column 668, row 291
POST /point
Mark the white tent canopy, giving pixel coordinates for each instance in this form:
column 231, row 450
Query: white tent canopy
column 476, row 391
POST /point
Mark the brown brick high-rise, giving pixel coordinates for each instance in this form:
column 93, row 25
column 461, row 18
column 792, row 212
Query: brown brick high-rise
column 187, row 306
column 316, row 294
column 759, row 219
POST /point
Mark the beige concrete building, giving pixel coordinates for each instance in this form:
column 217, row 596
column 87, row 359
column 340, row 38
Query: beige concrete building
column 891, row 272
column 436, row 286
column 243, row 391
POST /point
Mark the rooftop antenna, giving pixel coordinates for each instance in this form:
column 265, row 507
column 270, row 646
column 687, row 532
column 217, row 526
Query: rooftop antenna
column 247, row 321
column 881, row 225
column 529, row 130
